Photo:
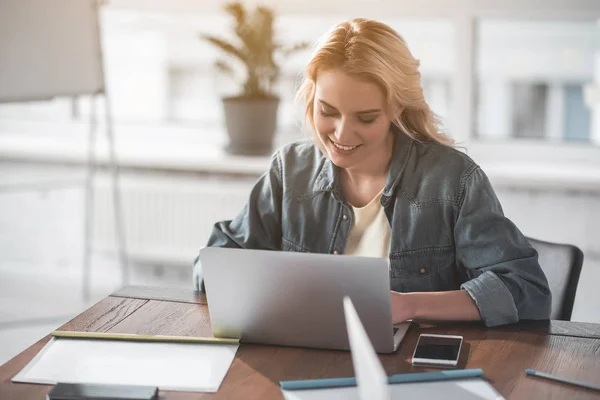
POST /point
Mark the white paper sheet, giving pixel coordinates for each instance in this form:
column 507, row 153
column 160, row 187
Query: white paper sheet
column 464, row 389
column 170, row 366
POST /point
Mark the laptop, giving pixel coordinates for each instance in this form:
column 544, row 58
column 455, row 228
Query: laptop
column 296, row 299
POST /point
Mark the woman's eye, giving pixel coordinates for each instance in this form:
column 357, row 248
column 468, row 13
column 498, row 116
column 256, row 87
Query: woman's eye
column 326, row 114
column 367, row 120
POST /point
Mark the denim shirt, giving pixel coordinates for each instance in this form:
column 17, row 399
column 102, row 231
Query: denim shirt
column 448, row 228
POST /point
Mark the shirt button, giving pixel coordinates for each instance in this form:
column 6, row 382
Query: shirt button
column 422, row 270
column 345, row 217
column 336, row 252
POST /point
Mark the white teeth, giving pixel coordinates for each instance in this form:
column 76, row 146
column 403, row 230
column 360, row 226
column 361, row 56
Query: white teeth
column 347, row 148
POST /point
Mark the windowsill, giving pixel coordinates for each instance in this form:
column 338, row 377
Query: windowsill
column 187, row 149
column 539, row 166
column 154, row 147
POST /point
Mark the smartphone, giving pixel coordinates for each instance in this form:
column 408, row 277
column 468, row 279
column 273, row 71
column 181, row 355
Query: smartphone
column 437, row 350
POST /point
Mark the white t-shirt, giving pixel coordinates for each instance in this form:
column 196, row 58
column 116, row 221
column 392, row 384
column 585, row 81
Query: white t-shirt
column 370, row 232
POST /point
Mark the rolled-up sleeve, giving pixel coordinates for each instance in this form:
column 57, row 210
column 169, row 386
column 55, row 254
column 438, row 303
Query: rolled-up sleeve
column 506, row 281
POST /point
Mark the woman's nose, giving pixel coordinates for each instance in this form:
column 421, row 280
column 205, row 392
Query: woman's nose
column 344, row 131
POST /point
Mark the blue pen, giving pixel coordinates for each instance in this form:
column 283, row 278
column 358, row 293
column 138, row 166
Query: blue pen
column 393, row 379
column 533, row 372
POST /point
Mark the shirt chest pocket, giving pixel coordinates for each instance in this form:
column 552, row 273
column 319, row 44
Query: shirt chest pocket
column 288, row 245
column 424, row 270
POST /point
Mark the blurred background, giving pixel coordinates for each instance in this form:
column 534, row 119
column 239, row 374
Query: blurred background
column 515, row 83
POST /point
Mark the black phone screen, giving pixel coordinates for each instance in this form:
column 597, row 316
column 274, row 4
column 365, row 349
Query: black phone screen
column 438, row 348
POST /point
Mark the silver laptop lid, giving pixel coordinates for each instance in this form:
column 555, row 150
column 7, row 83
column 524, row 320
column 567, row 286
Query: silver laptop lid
column 296, row 299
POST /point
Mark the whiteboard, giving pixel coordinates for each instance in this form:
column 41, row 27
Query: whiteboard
column 49, row 48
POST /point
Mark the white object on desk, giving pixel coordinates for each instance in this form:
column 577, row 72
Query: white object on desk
column 370, row 376
column 170, row 366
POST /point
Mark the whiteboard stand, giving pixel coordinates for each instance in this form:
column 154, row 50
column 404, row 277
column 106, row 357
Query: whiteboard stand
column 113, row 166
column 88, row 220
column 117, row 200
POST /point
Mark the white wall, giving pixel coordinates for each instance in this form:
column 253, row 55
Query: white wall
column 384, row 7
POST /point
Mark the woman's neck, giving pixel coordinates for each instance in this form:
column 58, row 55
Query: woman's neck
column 360, row 193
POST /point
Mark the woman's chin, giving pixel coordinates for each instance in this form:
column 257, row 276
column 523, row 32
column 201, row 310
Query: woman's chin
column 342, row 161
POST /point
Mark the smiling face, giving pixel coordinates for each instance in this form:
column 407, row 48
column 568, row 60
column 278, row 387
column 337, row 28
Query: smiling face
column 350, row 120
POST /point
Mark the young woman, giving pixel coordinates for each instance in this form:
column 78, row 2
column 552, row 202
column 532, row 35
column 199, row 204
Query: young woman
column 378, row 179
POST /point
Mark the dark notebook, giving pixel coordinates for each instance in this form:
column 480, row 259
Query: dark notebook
column 76, row 391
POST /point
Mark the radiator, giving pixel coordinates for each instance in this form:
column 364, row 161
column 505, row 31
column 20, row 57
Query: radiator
column 166, row 220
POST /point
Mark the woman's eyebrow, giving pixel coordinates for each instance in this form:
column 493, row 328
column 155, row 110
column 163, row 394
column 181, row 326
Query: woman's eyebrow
column 326, row 104
column 371, row 111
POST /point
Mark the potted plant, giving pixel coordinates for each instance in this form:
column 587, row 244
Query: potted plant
column 251, row 116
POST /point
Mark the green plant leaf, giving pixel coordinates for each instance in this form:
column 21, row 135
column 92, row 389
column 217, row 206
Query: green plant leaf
column 226, row 47
column 256, row 48
column 288, row 51
column 237, row 11
column 223, row 67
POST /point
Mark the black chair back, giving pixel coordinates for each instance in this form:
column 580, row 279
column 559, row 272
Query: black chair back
column 562, row 265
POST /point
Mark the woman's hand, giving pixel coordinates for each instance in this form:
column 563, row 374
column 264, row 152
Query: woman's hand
column 402, row 307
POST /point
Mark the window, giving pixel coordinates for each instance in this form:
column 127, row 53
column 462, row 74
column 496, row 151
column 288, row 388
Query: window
column 577, row 114
column 530, row 77
column 529, row 110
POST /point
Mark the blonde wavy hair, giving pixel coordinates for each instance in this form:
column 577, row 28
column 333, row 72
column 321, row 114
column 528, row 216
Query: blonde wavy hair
column 372, row 50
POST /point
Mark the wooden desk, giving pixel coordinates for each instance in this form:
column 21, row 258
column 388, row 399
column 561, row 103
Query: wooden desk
column 563, row 348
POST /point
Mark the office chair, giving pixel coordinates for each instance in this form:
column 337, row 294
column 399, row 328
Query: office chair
column 562, row 265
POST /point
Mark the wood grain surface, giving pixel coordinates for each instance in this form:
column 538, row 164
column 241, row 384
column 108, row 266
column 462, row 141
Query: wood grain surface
column 156, row 293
